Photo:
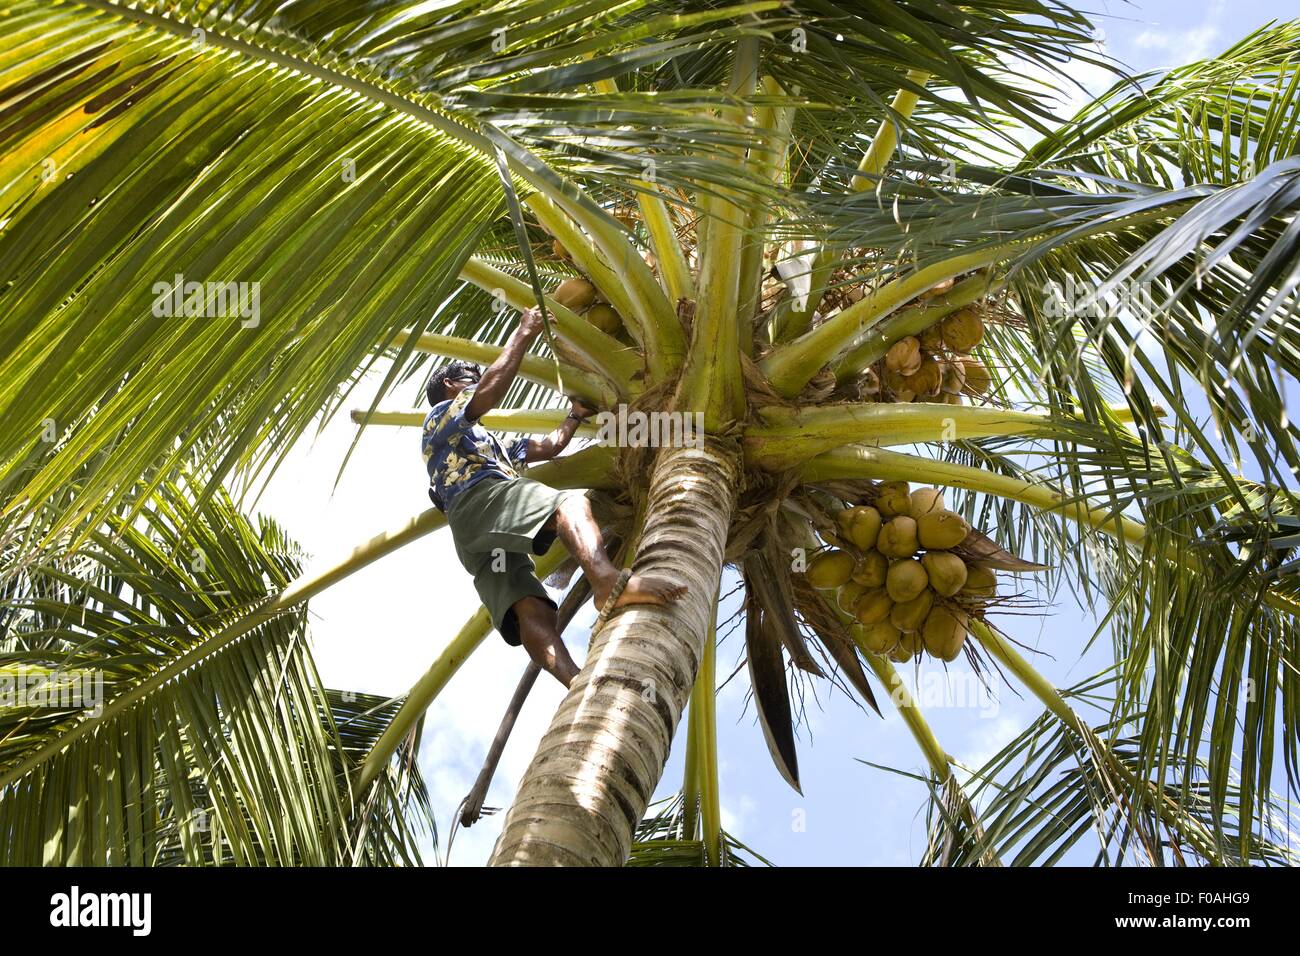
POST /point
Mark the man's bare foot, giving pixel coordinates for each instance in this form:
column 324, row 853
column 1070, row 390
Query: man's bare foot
column 640, row 589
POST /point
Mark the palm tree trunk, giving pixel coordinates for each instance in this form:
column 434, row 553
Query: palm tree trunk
column 594, row 772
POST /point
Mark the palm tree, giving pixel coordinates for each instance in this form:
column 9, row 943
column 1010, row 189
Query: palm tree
column 813, row 224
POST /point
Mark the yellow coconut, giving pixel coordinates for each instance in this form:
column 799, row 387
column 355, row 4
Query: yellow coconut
column 977, row 380
column 879, row 638
column 980, row 581
column 925, row 500
column 860, row 525
column 954, row 377
column 575, row 294
column 904, row 356
column 871, row 570
column 932, row 338
column 941, row 530
column 944, row 632
column 873, row 606
column 847, row 598
column 893, row 498
column 963, row 330
column 908, row 616
column 906, row 579
column 605, row 318
column 946, row 571
column 925, row 381
column 938, row 289
column 898, row 538
column 894, row 381
column 830, row 569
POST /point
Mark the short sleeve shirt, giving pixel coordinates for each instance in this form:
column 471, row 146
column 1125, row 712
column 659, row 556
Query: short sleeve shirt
column 459, row 452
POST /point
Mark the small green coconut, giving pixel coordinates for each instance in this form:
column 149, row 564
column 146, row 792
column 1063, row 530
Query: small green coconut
column 941, row 530
column 980, row 581
column 906, row 580
column 909, row 645
column 847, row 598
column 944, row 632
column 605, row 318
column 898, row 538
column 908, row 616
column 946, row 571
column 873, row 606
column 575, row 294
column 879, row 638
column 893, row 499
column 925, row 500
column 830, row 570
column 871, row 570
column 860, row 525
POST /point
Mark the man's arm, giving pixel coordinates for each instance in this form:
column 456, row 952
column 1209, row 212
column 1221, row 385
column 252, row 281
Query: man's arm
column 495, row 381
column 544, row 449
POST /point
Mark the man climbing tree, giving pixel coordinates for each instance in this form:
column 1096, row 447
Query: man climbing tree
column 498, row 519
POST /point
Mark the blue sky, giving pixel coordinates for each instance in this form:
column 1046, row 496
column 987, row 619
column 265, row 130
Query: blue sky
column 379, row 630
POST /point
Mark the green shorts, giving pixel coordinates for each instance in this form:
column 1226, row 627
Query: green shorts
column 497, row 527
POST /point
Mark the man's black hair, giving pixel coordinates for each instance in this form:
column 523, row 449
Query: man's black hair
column 433, row 390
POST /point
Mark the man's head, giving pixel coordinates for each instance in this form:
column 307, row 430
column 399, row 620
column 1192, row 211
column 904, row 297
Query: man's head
column 450, row 379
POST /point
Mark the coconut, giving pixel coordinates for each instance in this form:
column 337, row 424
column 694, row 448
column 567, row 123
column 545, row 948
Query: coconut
column 871, row 570
column 946, row 571
column 906, row 579
column 977, row 380
column 944, row 632
column 848, row 596
column 938, row 289
column 925, row 500
column 898, row 538
column 954, row 377
column 908, row 616
column 892, row 498
column 926, row 379
column 830, row 569
column 575, row 294
column 903, row 650
column 932, row 338
column 869, row 382
column 894, row 381
column 980, row 581
column 873, row 606
column 557, row 248
column 605, row 318
column 879, row 638
column 904, row 356
column 951, row 398
column 860, row 525
column 904, row 395
column 941, row 530
column 963, row 330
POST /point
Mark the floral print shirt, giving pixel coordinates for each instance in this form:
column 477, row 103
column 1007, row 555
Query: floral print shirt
column 459, row 453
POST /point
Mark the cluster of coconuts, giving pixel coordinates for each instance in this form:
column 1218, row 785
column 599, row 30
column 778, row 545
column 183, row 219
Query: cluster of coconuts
column 580, row 296
column 908, row 590
column 936, row 365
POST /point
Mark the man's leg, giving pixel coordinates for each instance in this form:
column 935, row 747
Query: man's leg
column 577, row 528
column 538, row 626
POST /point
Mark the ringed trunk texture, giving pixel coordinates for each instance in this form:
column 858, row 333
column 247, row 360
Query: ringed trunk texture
column 593, row 774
